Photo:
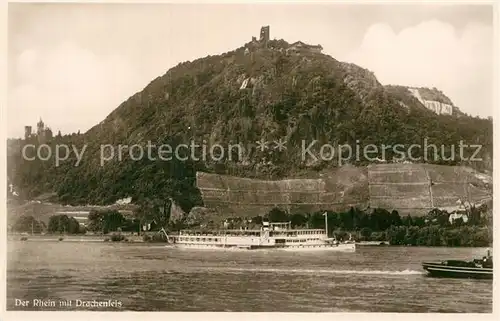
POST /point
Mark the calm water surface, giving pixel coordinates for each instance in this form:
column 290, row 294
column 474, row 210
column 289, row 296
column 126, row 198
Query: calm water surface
column 147, row 277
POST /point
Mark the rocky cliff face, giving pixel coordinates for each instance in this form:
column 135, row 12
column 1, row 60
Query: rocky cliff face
column 433, row 100
column 360, row 80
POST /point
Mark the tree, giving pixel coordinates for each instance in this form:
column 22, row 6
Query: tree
column 316, row 220
column 63, row 224
column 430, row 236
column 95, row 221
column 154, row 209
column 458, row 222
column 407, row 221
column 113, row 220
column 395, row 219
column 257, row 220
column 396, row 235
column 27, row 224
column 452, row 237
column 411, row 236
column 277, row 215
column 131, row 225
column 419, row 221
column 347, row 220
column 366, row 233
column 333, row 220
column 475, row 215
column 437, row 216
column 380, row 219
column 298, row 220
column 105, row 221
column 482, row 237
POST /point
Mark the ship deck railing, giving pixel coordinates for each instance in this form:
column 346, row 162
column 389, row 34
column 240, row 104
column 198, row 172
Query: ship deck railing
column 279, row 232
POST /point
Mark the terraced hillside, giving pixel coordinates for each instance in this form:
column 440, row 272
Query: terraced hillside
column 409, row 188
column 417, row 188
column 245, row 197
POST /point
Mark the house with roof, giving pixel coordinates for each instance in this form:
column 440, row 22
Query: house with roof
column 299, row 46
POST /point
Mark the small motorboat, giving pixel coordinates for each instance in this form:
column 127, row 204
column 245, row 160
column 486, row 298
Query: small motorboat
column 475, row 269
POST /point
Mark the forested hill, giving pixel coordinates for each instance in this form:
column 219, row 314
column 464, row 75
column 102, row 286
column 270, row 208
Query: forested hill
column 243, row 96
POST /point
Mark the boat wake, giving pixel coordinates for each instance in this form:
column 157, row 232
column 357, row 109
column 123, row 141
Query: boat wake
column 322, row 271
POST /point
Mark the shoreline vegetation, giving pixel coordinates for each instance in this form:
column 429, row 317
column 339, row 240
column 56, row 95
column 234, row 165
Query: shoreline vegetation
column 151, row 239
column 379, row 226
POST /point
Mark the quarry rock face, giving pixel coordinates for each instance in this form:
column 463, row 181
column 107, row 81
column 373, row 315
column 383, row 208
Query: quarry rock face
column 432, row 99
column 412, row 189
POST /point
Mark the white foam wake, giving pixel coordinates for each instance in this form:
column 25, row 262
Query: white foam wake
column 323, row 271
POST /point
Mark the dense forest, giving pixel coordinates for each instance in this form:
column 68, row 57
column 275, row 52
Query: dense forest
column 293, row 97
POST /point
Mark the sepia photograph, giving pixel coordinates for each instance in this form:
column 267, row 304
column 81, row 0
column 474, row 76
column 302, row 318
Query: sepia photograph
column 249, row 157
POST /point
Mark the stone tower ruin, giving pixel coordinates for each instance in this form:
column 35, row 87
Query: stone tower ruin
column 27, row 132
column 264, row 35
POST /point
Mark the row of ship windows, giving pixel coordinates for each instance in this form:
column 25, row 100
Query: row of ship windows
column 286, row 233
column 310, row 232
column 209, row 239
column 197, row 239
column 301, row 240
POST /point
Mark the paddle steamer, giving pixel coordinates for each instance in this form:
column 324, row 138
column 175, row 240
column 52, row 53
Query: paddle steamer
column 269, row 236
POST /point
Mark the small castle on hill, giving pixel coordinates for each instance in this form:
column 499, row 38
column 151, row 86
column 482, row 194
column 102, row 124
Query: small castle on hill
column 43, row 133
column 263, row 40
column 296, row 47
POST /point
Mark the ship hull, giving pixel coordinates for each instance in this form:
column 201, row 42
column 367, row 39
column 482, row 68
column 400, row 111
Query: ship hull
column 445, row 271
column 351, row 247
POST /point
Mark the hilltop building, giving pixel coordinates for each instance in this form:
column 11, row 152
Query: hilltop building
column 263, row 40
column 43, row 133
column 264, row 36
column 296, row 47
column 299, row 46
column 27, row 132
column 40, row 126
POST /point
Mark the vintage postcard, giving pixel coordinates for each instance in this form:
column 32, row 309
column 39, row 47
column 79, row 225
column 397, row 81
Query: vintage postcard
column 249, row 157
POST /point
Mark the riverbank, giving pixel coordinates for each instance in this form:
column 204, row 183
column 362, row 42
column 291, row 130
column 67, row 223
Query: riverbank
column 71, row 238
column 140, row 239
column 372, row 243
column 104, row 238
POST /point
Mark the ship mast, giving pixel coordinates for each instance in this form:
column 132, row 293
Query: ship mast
column 326, row 223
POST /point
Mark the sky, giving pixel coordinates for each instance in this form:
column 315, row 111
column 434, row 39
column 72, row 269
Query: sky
column 72, row 64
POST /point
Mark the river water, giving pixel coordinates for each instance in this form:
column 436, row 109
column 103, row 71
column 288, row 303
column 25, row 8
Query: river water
column 146, row 277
